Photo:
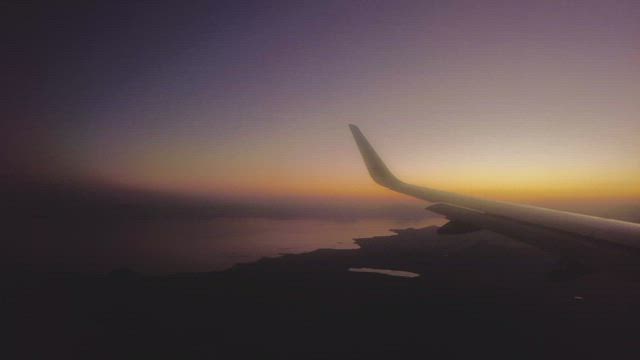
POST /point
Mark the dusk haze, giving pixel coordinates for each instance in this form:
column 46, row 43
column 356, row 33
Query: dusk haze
column 339, row 179
column 520, row 100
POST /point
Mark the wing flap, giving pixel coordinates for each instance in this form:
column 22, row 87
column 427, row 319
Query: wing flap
column 560, row 243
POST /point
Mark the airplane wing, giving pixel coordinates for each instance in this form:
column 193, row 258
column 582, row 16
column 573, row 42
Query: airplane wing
column 587, row 239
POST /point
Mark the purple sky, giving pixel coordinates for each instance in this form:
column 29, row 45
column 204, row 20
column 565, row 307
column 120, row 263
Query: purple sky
column 509, row 99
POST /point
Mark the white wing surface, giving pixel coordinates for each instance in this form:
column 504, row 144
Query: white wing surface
column 587, row 239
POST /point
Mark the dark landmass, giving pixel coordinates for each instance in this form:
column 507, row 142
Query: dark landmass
column 479, row 295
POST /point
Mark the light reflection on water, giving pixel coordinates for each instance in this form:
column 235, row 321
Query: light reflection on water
column 220, row 243
column 398, row 273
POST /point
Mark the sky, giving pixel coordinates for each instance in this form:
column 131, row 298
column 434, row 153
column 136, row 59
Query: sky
column 517, row 100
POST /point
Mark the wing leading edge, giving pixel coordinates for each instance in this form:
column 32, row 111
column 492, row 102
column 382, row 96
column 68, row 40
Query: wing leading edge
column 564, row 233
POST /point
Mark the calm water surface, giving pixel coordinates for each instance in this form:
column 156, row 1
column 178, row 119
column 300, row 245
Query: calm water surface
column 219, row 244
column 168, row 246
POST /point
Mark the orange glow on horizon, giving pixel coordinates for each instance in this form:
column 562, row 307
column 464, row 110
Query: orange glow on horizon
column 364, row 189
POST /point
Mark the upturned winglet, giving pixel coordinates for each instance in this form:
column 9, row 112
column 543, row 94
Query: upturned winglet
column 377, row 169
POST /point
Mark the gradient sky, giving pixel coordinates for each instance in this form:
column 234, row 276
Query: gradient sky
column 513, row 100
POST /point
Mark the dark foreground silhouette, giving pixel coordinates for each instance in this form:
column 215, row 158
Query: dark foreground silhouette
column 478, row 295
